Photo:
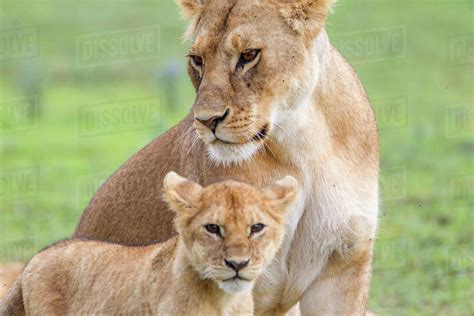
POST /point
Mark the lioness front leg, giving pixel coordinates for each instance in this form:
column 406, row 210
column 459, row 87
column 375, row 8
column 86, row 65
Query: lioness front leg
column 343, row 286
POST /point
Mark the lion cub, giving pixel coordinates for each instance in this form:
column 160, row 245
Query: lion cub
column 228, row 233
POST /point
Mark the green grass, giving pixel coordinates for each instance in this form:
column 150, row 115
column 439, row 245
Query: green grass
column 422, row 94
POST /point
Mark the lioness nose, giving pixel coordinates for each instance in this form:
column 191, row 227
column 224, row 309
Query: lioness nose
column 213, row 121
column 236, row 265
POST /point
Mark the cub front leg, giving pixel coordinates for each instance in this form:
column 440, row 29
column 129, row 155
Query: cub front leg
column 343, row 286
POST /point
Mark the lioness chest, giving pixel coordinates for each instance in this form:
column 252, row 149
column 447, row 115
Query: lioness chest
column 316, row 227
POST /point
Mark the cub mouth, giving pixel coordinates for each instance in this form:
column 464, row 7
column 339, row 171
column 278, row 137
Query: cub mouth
column 235, row 278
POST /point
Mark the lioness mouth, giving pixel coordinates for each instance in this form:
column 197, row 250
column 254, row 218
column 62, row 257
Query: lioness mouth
column 261, row 134
column 257, row 137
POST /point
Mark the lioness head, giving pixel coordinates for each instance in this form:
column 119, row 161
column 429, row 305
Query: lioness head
column 251, row 62
column 230, row 230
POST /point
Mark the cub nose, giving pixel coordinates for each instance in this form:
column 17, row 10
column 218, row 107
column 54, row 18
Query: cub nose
column 236, row 265
column 213, row 121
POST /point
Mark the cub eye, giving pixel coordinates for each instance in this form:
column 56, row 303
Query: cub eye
column 248, row 56
column 197, row 61
column 256, row 228
column 213, row 229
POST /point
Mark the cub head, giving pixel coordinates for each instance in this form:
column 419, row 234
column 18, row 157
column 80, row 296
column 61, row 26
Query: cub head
column 251, row 62
column 230, row 230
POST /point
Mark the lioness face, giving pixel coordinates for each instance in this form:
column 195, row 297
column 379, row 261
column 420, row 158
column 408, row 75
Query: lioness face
column 249, row 63
column 231, row 230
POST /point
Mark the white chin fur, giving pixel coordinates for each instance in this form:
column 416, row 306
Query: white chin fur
column 226, row 154
column 236, row 285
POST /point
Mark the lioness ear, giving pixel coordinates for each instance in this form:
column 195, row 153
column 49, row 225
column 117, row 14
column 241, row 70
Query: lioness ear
column 305, row 15
column 181, row 194
column 282, row 194
column 191, row 8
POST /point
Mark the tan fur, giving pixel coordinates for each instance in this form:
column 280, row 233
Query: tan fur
column 351, row 265
column 186, row 275
column 8, row 274
column 191, row 8
column 305, row 16
column 319, row 128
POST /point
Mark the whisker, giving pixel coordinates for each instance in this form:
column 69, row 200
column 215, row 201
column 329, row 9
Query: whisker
column 195, row 141
column 263, row 140
column 260, row 119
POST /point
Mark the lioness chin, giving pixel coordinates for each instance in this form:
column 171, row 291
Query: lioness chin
column 228, row 233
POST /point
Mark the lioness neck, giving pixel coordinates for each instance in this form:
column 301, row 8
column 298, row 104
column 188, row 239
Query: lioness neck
column 330, row 116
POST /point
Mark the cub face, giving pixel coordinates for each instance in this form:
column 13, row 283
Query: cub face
column 231, row 230
column 250, row 63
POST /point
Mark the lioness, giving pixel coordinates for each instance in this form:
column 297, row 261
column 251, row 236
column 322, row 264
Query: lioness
column 274, row 97
column 228, row 233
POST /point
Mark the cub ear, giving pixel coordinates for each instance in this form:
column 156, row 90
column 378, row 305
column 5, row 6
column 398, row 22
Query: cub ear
column 282, row 194
column 191, row 8
column 181, row 194
column 305, row 15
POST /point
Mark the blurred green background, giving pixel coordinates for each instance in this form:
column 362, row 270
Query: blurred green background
column 72, row 111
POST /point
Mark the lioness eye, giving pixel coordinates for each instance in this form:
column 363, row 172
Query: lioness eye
column 256, row 228
column 247, row 56
column 213, row 229
column 196, row 60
